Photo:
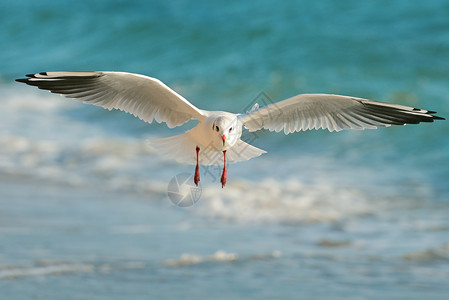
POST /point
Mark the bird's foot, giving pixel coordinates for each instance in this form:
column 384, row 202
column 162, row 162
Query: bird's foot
column 196, row 178
column 223, row 177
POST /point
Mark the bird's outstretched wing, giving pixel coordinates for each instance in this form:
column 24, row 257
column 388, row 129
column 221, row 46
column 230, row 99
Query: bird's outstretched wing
column 332, row 112
column 145, row 97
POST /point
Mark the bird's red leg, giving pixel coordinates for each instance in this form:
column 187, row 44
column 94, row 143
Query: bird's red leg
column 223, row 175
column 196, row 178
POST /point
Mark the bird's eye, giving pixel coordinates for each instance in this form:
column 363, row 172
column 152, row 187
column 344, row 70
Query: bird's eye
column 217, row 129
column 230, row 129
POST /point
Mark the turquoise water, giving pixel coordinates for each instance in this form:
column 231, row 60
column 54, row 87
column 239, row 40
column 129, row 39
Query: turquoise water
column 84, row 212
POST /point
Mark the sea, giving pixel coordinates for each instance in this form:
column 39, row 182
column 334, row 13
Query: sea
column 88, row 210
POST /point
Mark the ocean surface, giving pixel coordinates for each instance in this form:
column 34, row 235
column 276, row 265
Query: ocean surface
column 84, row 208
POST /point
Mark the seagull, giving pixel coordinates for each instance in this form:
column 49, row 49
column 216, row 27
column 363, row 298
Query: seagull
column 217, row 136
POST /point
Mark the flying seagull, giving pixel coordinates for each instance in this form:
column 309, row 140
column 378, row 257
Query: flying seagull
column 216, row 137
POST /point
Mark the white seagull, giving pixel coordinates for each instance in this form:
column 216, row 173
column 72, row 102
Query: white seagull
column 216, row 138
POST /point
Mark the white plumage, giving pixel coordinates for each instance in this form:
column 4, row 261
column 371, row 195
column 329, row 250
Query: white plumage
column 217, row 135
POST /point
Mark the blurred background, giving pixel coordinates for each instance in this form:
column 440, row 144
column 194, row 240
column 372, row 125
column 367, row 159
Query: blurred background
column 84, row 212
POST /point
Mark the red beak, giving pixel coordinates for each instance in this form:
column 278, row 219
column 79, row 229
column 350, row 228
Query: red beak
column 224, row 139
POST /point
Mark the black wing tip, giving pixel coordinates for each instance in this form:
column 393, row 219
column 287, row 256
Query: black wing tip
column 26, row 80
column 413, row 116
column 23, row 80
column 34, row 74
column 431, row 113
column 437, row 118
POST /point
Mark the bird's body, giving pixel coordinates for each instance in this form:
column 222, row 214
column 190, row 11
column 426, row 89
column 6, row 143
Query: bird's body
column 216, row 138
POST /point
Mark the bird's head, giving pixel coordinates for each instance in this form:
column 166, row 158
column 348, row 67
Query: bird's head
column 228, row 130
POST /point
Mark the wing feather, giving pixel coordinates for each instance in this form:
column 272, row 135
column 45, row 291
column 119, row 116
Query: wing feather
column 145, row 97
column 332, row 112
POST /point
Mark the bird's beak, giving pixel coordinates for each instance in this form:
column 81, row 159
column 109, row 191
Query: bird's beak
column 224, row 139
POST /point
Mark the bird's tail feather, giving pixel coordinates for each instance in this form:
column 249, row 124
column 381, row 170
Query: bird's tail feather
column 242, row 151
column 182, row 149
column 179, row 147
